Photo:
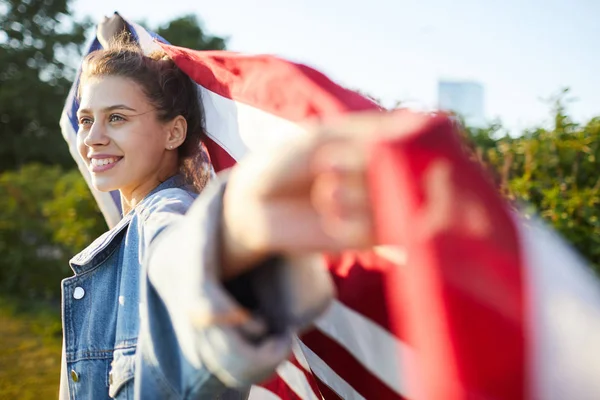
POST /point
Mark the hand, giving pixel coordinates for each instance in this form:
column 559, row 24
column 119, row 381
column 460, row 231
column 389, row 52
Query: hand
column 309, row 195
column 110, row 28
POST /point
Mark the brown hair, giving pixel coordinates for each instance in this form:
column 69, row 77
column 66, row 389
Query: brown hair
column 167, row 88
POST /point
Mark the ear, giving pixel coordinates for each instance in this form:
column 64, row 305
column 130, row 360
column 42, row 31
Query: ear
column 176, row 132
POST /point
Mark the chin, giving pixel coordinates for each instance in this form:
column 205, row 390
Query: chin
column 103, row 184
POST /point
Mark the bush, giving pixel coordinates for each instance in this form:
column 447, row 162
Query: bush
column 46, row 216
column 73, row 215
column 554, row 173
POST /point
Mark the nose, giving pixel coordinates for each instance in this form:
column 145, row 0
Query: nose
column 96, row 135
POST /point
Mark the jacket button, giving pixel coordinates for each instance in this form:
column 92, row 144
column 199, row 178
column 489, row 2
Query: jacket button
column 74, row 376
column 78, row 293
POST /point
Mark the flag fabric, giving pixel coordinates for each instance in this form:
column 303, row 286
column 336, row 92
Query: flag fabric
column 495, row 306
column 467, row 301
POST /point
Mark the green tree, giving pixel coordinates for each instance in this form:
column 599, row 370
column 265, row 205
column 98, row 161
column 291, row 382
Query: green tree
column 38, row 41
column 187, row 32
column 72, row 213
column 46, row 216
column 552, row 173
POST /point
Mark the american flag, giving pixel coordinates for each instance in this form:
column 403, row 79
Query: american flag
column 475, row 303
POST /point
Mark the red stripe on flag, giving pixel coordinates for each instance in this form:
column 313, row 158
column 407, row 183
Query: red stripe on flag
column 219, row 158
column 285, row 89
column 280, row 388
column 463, row 289
column 326, row 391
column 312, row 381
column 278, row 385
column 360, row 280
column 347, row 367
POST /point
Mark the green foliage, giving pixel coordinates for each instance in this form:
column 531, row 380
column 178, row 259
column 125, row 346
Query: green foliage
column 46, row 216
column 28, row 255
column 72, row 213
column 38, row 42
column 554, row 173
column 187, row 32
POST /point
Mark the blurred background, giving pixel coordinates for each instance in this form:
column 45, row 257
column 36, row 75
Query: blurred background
column 522, row 77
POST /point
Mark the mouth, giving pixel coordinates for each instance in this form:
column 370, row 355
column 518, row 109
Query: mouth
column 103, row 164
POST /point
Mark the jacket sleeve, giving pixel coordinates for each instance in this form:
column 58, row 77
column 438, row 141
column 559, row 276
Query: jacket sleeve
column 191, row 343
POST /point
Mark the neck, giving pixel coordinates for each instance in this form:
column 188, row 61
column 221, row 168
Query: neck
column 132, row 197
column 130, row 200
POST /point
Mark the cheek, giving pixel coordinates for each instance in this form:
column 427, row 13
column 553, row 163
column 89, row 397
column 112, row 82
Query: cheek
column 137, row 145
column 142, row 149
column 146, row 140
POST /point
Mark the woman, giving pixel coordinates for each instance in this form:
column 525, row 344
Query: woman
column 186, row 295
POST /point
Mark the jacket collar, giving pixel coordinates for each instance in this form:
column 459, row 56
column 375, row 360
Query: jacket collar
column 175, row 181
column 103, row 246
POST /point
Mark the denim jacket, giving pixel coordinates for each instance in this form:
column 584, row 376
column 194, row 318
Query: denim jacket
column 146, row 315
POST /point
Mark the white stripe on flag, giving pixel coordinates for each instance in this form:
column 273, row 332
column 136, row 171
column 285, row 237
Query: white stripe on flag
column 328, row 375
column 238, row 127
column 564, row 317
column 145, row 40
column 260, row 393
column 296, row 381
column 374, row 347
column 297, row 350
column 234, row 126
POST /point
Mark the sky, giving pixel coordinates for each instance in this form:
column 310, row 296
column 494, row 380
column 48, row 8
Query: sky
column 523, row 52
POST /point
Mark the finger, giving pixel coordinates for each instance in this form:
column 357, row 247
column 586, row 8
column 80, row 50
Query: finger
column 340, row 179
column 342, row 202
column 285, row 172
column 341, row 155
column 340, row 194
column 293, row 227
column 353, row 232
column 289, row 168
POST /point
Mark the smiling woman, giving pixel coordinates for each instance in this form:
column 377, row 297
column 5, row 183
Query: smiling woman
column 140, row 122
column 191, row 294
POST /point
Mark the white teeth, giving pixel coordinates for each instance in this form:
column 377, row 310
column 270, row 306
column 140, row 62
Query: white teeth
column 98, row 162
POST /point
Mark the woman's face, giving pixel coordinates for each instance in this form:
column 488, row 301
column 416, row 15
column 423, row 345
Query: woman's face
column 120, row 138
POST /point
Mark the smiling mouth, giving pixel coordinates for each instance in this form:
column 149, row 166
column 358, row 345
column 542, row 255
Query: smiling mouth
column 103, row 164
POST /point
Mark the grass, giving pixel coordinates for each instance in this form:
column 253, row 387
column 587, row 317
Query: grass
column 30, row 348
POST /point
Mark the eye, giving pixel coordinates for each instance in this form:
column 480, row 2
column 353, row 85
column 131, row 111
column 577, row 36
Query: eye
column 115, row 118
column 85, row 121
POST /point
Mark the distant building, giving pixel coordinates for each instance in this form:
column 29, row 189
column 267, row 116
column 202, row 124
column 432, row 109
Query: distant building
column 464, row 98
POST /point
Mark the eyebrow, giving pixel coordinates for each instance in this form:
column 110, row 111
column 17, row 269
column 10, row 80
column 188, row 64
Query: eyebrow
column 106, row 109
